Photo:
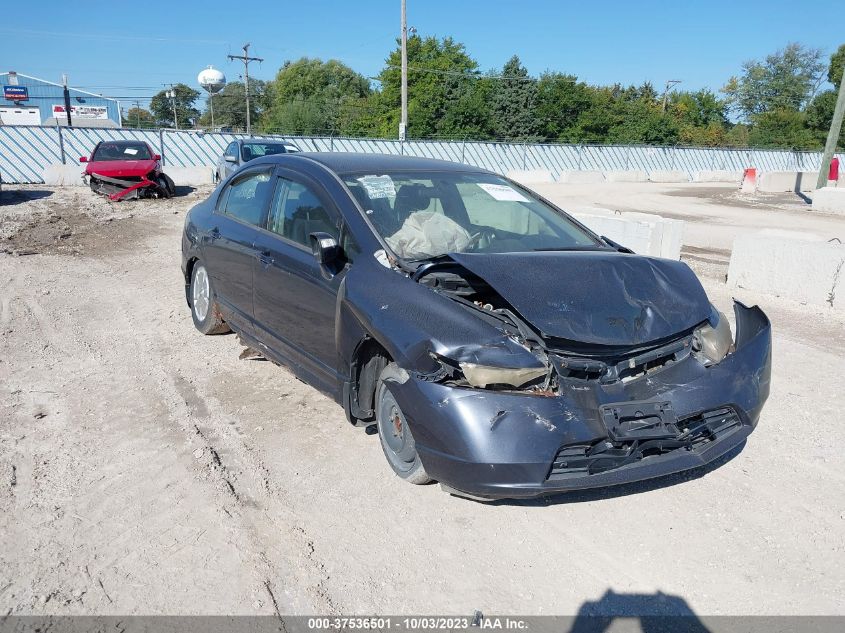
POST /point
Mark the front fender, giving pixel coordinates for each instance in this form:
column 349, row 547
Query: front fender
column 414, row 323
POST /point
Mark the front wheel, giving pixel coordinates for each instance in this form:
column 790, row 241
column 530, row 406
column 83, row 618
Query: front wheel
column 204, row 309
column 397, row 442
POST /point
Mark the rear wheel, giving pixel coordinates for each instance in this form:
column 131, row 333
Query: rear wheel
column 204, row 309
column 397, row 442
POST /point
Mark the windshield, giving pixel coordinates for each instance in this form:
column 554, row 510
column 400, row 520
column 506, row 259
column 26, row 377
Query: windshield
column 427, row 214
column 122, row 151
column 255, row 150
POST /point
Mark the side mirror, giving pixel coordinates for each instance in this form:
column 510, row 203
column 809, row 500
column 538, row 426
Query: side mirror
column 324, row 247
column 83, row 159
column 156, row 156
column 230, row 159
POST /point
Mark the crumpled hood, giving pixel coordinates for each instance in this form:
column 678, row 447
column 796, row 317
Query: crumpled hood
column 595, row 297
column 121, row 168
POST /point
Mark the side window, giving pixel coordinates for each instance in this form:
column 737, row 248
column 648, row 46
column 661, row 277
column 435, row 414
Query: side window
column 232, row 150
column 297, row 212
column 246, row 197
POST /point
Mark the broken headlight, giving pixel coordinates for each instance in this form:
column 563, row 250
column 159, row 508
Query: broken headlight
column 484, row 375
column 713, row 342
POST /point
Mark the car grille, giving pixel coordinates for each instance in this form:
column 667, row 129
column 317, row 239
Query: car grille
column 696, row 432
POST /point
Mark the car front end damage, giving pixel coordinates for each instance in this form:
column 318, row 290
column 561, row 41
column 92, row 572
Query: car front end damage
column 536, row 414
column 130, row 187
column 672, row 414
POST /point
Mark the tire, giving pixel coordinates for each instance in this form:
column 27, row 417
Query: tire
column 204, row 309
column 394, row 433
column 166, row 192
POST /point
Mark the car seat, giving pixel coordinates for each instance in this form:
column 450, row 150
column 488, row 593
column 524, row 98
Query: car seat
column 308, row 216
column 411, row 197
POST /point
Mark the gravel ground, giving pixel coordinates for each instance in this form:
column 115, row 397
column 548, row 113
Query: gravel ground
column 145, row 469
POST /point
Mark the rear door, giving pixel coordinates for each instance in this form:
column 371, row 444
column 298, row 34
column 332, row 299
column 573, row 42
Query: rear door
column 228, row 249
column 294, row 297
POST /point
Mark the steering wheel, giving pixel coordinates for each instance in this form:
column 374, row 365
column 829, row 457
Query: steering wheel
column 482, row 238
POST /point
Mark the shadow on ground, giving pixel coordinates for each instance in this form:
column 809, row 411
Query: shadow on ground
column 18, row 196
column 649, row 613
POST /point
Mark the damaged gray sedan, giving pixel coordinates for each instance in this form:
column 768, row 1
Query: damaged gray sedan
column 497, row 345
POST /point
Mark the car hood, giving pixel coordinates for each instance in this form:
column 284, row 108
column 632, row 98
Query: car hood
column 121, row 168
column 595, row 297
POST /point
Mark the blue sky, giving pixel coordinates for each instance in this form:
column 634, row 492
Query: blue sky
column 701, row 43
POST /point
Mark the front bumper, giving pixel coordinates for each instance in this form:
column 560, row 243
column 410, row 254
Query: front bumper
column 491, row 444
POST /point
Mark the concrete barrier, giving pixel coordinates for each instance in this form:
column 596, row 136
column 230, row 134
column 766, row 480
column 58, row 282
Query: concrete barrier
column 574, row 176
column 63, row 175
column 668, row 175
column 782, row 181
column 643, row 233
column 798, row 266
column 829, row 200
column 190, row 176
column 530, row 176
column 718, row 175
column 632, row 175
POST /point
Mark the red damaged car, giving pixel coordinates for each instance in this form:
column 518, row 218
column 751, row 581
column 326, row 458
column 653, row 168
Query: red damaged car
column 127, row 169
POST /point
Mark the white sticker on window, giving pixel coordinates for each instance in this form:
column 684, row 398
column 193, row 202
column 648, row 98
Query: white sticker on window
column 378, row 186
column 502, row 192
column 130, row 150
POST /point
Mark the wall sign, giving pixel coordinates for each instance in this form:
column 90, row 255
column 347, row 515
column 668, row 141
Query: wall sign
column 15, row 93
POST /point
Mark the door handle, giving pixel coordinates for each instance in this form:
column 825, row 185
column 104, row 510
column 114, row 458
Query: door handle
column 265, row 258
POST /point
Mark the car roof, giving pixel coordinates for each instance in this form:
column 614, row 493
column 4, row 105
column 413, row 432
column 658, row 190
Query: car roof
column 122, row 141
column 343, row 162
column 258, row 139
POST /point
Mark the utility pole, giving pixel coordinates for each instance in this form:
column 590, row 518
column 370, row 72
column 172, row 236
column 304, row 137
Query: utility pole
column 137, row 113
column 833, row 134
column 245, row 58
column 67, row 100
column 403, row 121
column 171, row 94
column 669, row 84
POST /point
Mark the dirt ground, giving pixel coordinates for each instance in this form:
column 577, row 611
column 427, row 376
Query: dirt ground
column 145, row 469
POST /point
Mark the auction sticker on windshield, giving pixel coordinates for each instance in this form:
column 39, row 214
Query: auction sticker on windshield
column 378, row 186
column 502, row 192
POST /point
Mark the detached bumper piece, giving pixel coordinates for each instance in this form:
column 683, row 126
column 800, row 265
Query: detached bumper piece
column 130, row 187
column 638, row 438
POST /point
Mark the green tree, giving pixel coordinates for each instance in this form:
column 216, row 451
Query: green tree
column 162, row 107
column 782, row 127
column 310, row 96
column 643, row 122
column 700, row 108
column 139, row 118
column 562, row 101
column 785, row 80
column 440, row 77
column 819, row 115
column 837, row 62
column 514, row 102
column 230, row 105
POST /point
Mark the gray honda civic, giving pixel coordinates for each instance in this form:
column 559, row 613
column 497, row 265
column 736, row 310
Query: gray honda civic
column 497, row 345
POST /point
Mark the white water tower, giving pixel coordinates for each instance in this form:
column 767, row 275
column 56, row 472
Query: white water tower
column 212, row 81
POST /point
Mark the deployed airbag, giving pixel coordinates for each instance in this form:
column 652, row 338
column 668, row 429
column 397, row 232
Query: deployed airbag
column 426, row 234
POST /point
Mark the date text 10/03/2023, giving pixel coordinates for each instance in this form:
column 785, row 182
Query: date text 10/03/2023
column 424, row 623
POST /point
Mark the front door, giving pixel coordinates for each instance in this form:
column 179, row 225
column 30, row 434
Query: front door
column 295, row 300
column 228, row 249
